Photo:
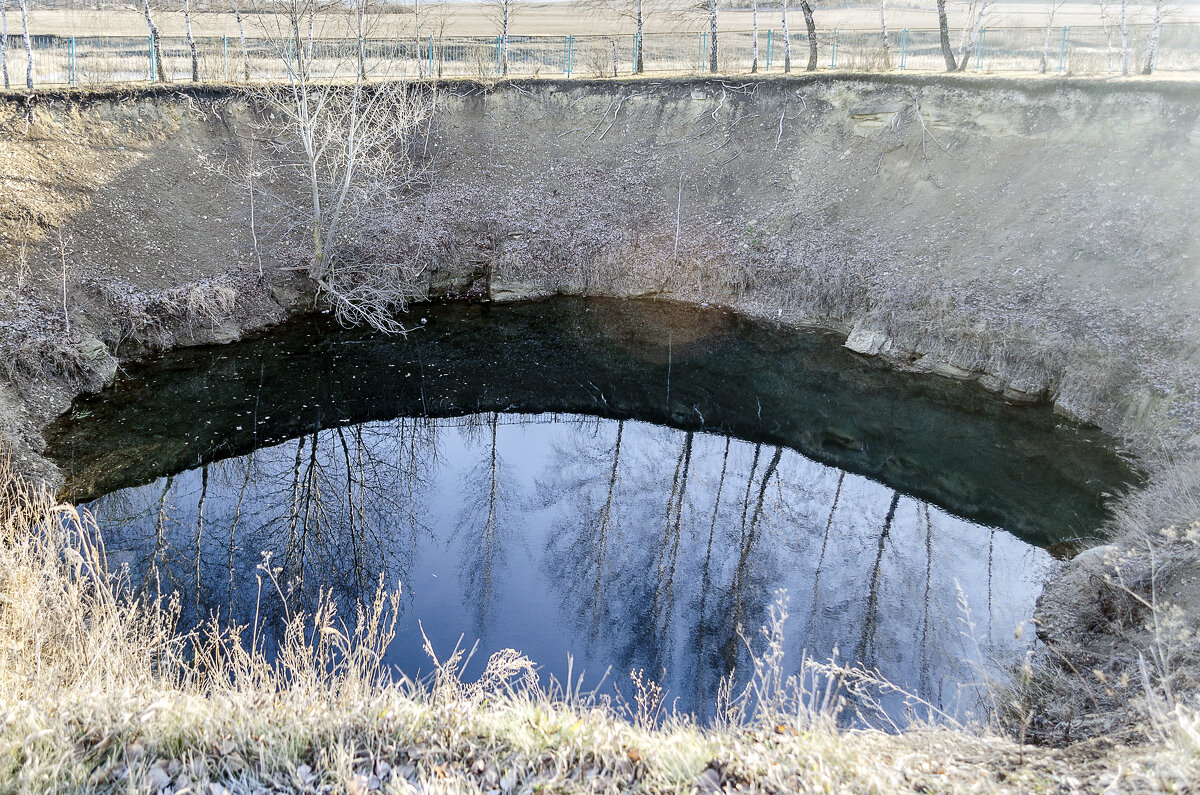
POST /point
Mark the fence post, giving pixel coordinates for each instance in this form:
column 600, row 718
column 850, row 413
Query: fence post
column 903, row 48
column 979, row 55
column 833, row 55
column 71, row 60
column 570, row 43
column 225, row 56
column 1062, row 49
column 770, row 33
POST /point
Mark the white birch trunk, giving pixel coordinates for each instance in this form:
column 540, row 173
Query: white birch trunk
column 973, row 39
column 1155, row 34
column 637, row 67
column 28, row 45
column 754, row 36
column 154, row 42
column 1045, row 61
column 787, row 42
column 1124, row 41
column 712, row 26
column 504, row 38
column 187, row 28
column 887, row 44
column 237, row 15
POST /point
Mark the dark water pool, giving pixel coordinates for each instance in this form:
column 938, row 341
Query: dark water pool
column 624, row 482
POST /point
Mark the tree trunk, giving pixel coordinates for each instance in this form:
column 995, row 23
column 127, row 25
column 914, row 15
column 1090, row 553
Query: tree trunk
column 187, row 28
column 4, row 41
column 154, row 43
column 417, row 34
column 944, row 25
column 1155, row 33
column 809, row 23
column 973, row 39
column 639, row 62
column 28, row 46
column 1044, row 63
column 787, row 42
column 754, row 36
column 504, row 41
column 1124, row 42
column 237, row 14
column 362, row 36
column 887, row 45
column 712, row 26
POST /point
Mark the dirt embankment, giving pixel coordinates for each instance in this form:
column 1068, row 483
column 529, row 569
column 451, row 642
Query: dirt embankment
column 1036, row 236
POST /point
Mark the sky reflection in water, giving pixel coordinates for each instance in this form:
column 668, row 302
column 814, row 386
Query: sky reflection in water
column 560, row 500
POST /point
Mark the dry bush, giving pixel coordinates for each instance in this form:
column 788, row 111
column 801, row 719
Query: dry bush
column 154, row 318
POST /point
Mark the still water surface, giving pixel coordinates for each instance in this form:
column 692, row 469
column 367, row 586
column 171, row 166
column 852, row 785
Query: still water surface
column 623, row 482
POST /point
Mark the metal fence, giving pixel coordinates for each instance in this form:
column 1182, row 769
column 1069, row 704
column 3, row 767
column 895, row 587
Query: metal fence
column 102, row 60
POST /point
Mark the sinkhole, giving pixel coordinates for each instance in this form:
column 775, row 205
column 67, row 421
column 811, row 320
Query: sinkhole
column 627, row 484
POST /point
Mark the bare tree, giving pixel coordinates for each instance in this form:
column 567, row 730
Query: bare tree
column 970, row 36
column 187, row 27
column 806, row 6
column 440, row 15
column 501, row 12
column 887, row 45
column 1106, row 25
column 1052, row 8
column 633, row 11
column 4, row 40
column 28, row 46
column 712, row 27
column 787, row 40
column 417, row 36
column 754, row 35
column 361, row 20
column 1125, row 56
column 351, row 149
column 944, row 27
column 237, row 15
column 1155, row 35
column 155, row 44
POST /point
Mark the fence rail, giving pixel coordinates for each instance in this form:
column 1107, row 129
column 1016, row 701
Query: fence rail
column 103, row 60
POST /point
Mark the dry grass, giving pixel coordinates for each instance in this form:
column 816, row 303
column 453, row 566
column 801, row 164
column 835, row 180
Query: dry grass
column 101, row 694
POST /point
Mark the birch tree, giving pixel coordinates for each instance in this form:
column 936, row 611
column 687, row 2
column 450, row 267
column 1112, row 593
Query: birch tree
column 754, row 36
column 806, row 6
column 1124, row 40
column 1106, row 25
column 632, row 11
column 501, row 12
column 970, row 36
column 4, row 40
column 1155, row 35
column 28, row 46
column 944, row 28
column 237, row 15
column 155, row 44
column 787, row 40
column 1052, row 8
column 887, row 45
column 712, row 27
column 187, row 28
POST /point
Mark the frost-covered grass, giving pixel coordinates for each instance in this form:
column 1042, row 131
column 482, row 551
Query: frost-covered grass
column 98, row 693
